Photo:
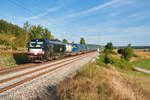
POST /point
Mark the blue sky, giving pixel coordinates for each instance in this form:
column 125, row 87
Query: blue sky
column 118, row 21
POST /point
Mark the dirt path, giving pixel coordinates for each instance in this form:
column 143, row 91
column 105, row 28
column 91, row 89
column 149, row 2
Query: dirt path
column 141, row 70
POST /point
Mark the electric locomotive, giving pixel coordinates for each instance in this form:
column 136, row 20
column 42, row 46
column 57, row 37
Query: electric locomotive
column 42, row 49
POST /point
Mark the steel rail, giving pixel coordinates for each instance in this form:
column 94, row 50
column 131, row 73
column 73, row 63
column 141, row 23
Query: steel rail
column 38, row 75
column 33, row 71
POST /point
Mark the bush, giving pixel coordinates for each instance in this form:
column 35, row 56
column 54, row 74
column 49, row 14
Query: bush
column 101, row 60
column 121, row 51
column 121, row 63
column 105, row 59
column 128, row 53
column 109, row 47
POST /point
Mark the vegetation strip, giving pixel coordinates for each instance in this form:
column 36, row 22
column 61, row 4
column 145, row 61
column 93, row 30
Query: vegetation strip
column 33, row 77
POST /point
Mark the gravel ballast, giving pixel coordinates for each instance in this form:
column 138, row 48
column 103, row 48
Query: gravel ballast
column 43, row 88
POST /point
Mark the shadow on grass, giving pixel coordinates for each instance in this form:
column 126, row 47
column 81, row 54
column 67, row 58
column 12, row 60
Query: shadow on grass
column 20, row 58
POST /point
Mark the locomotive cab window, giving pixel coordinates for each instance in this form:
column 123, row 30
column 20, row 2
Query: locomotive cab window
column 36, row 44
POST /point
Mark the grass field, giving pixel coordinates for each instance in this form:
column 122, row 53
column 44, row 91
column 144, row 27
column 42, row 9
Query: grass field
column 141, row 54
column 95, row 82
column 142, row 81
column 142, row 63
column 133, row 73
column 109, row 78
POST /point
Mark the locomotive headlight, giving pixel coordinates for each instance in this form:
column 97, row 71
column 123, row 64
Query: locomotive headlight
column 39, row 54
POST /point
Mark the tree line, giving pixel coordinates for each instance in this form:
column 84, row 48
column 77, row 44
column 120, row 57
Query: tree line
column 82, row 41
column 14, row 36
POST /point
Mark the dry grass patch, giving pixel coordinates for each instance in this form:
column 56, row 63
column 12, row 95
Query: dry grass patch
column 97, row 83
column 142, row 81
column 142, row 54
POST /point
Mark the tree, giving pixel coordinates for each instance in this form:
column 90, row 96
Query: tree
column 37, row 31
column 19, row 37
column 128, row 53
column 64, row 41
column 27, row 29
column 26, row 26
column 46, row 34
column 109, row 47
column 82, row 41
column 55, row 39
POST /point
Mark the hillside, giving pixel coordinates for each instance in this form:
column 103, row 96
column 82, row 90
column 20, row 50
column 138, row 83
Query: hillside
column 11, row 35
column 15, row 36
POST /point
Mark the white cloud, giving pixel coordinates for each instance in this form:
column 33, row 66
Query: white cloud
column 44, row 13
column 110, row 4
column 102, row 6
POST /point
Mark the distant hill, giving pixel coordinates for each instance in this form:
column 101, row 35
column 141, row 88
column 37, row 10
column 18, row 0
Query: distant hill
column 134, row 47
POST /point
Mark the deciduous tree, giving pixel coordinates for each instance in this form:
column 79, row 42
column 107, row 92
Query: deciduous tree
column 109, row 47
column 82, row 41
column 64, row 41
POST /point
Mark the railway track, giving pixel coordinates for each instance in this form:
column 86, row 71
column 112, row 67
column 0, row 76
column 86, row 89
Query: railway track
column 25, row 66
column 13, row 80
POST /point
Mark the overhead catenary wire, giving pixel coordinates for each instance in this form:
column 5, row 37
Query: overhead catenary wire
column 33, row 13
column 19, row 5
column 30, row 11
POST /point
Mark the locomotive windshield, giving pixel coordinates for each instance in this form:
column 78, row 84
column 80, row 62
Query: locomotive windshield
column 36, row 44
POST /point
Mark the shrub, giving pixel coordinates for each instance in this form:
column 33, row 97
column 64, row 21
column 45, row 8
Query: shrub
column 121, row 51
column 128, row 53
column 121, row 63
column 101, row 60
column 109, row 47
column 105, row 59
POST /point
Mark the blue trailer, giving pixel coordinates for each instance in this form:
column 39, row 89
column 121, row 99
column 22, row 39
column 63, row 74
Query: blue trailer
column 75, row 47
column 82, row 47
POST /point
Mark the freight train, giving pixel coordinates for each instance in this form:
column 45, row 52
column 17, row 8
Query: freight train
column 43, row 49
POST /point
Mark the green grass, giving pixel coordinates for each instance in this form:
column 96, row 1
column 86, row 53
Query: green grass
column 143, row 63
column 146, row 50
column 10, row 60
column 135, row 73
column 7, row 61
column 120, row 63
